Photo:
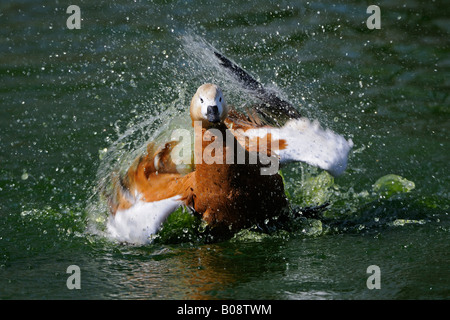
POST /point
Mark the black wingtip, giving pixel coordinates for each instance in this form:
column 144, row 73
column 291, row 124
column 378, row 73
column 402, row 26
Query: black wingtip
column 247, row 80
column 272, row 108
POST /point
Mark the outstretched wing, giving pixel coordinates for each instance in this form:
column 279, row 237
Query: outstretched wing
column 278, row 125
column 142, row 199
column 138, row 223
column 272, row 110
column 299, row 140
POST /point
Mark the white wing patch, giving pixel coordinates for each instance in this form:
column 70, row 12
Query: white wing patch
column 144, row 219
column 308, row 142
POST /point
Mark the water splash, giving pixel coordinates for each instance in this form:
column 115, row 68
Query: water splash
column 306, row 186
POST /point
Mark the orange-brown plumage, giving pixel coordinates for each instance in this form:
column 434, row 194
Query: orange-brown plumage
column 234, row 196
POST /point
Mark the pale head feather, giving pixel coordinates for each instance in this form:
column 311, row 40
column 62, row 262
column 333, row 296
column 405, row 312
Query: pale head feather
column 207, row 94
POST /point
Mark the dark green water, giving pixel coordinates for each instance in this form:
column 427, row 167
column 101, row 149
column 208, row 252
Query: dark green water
column 73, row 103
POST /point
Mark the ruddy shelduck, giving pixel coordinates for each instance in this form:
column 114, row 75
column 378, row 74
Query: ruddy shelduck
column 230, row 185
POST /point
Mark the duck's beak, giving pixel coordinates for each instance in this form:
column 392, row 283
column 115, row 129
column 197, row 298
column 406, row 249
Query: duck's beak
column 212, row 114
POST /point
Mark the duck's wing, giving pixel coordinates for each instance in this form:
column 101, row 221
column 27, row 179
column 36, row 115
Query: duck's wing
column 272, row 110
column 277, row 124
column 141, row 199
column 140, row 222
column 298, row 140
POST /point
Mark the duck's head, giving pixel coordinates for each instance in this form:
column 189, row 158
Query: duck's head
column 208, row 105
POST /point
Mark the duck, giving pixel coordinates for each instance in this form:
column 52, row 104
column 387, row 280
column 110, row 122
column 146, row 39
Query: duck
column 231, row 177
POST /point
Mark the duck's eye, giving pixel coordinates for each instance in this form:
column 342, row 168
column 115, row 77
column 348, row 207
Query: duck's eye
column 201, row 100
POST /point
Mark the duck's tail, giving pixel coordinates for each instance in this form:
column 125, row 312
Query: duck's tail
column 273, row 109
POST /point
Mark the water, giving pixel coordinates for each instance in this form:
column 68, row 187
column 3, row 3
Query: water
column 76, row 103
